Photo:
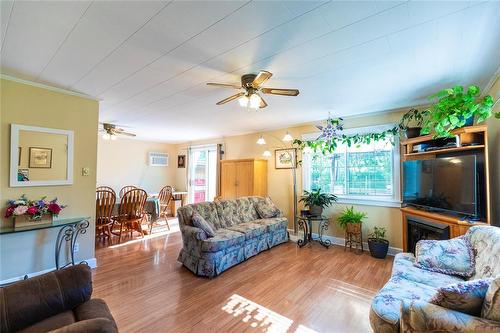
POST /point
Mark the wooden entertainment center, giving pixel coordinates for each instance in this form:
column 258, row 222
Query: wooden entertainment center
column 471, row 138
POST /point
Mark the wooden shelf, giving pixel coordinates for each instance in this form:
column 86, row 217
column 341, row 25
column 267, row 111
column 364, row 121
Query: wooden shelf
column 444, row 151
column 458, row 131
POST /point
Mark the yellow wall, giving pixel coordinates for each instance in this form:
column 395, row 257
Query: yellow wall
column 29, row 105
column 125, row 162
column 280, row 181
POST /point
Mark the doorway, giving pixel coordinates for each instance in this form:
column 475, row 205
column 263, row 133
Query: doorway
column 202, row 173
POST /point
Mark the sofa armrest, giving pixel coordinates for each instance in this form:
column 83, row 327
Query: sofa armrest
column 95, row 325
column 193, row 233
column 29, row 301
column 419, row 316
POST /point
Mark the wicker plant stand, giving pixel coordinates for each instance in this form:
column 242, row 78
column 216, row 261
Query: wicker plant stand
column 354, row 237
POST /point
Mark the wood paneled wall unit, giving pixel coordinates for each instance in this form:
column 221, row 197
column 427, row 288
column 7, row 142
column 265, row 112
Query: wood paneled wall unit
column 243, row 177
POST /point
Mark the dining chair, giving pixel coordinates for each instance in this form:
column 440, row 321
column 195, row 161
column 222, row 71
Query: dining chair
column 125, row 189
column 130, row 213
column 106, row 188
column 104, row 204
column 165, row 198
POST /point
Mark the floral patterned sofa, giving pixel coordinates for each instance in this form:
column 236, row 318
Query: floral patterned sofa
column 240, row 233
column 402, row 304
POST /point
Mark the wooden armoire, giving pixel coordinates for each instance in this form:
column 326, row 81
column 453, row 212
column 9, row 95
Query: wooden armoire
column 243, row 177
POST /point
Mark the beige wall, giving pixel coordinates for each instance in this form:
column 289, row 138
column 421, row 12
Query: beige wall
column 280, row 181
column 28, row 252
column 124, row 162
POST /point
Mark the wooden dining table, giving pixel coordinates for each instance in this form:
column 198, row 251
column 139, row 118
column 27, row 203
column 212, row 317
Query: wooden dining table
column 152, row 208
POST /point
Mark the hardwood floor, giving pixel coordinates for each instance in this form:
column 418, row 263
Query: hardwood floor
column 285, row 289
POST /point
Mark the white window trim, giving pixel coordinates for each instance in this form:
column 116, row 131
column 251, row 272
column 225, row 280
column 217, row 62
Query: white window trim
column 383, row 201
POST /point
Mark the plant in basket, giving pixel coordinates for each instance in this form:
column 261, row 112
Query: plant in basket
column 351, row 220
column 27, row 212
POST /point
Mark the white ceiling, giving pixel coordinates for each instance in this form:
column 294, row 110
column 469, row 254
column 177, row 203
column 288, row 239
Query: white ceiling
column 148, row 61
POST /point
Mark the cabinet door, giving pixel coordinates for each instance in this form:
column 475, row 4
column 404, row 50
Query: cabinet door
column 244, row 179
column 228, row 180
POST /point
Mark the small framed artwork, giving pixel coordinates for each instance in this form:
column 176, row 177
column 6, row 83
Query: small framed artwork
column 23, row 175
column 285, row 158
column 181, row 161
column 19, row 156
column 40, row 157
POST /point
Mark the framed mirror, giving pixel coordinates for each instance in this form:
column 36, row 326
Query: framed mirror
column 40, row 156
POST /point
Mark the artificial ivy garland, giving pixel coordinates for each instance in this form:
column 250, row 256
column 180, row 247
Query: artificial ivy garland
column 330, row 137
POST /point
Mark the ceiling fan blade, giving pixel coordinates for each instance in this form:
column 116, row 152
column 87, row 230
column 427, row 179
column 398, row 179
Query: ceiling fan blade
column 263, row 103
column 262, row 77
column 230, row 98
column 125, row 133
column 277, row 91
column 224, row 85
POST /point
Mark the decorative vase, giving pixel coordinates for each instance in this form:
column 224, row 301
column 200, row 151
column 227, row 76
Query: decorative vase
column 378, row 247
column 469, row 121
column 413, row 132
column 316, row 210
column 23, row 221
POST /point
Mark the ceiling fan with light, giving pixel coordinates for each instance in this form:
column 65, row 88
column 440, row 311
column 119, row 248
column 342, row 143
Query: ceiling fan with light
column 252, row 85
column 110, row 131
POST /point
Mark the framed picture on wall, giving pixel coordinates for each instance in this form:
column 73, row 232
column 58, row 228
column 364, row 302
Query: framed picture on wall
column 285, row 158
column 19, row 156
column 40, row 157
column 181, row 161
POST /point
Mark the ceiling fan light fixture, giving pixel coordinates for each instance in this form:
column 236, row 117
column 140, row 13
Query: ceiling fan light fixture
column 261, row 141
column 106, row 136
column 255, row 101
column 113, row 137
column 266, row 153
column 243, row 100
column 287, row 137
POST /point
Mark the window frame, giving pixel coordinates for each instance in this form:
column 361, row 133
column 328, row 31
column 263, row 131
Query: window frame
column 384, row 201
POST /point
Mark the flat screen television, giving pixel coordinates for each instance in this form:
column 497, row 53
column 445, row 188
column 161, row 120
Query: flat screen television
column 444, row 184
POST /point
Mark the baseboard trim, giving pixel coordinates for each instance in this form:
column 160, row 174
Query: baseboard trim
column 92, row 262
column 340, row 241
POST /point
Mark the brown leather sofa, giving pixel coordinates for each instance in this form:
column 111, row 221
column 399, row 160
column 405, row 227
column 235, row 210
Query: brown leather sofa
column 58, row 301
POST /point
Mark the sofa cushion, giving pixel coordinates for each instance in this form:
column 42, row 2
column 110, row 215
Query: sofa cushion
column 249, row 229
column 387, row 303
column 246, row 209
column 223, row 239
column 491, row 305
column 486, row 243
column 228, row 212
column 466, row 296
column 208, row 210
column 51, row 323
column 403, row 268
column 453, row 256
column 200, row 222
column 267, row 209
column 273, row 224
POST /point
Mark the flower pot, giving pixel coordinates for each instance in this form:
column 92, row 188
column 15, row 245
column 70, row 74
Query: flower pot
column 413, row 132
column 378, row 247
column 469, row 121
column 316, row 210
column 353, row 228
column 23, row 221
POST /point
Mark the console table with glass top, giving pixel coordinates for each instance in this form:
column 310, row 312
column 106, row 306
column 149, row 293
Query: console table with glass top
column 69, row 229
column 305, row 223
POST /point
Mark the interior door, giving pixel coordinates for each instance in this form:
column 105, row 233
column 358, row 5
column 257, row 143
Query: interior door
column 202, row 170
column 228, row 180
column 244, row 179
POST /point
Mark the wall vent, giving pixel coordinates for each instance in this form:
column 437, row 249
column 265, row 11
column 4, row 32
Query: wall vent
column 158, row 159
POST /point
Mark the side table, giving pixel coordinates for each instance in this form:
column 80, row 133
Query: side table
column 305, row 223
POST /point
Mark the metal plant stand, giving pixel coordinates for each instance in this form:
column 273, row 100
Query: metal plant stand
column 68, row 234
column 305, row 224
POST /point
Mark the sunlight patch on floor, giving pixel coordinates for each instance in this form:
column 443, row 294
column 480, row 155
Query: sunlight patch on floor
column 173, row 228
column 260, row 317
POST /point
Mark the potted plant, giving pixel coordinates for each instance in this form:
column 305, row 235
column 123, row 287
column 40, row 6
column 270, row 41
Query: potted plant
column 377, row 244
column 27, row 212
column 351, row 220
column 414, row 117
column 316, row 201
column 456, row 108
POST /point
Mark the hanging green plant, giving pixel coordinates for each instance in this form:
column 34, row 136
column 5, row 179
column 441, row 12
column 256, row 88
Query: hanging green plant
column 456, row 108
column 326, row 143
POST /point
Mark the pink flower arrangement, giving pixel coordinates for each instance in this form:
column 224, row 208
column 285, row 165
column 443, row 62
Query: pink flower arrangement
column 34, row 209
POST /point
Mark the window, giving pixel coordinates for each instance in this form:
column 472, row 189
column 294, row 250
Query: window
column 366, row 174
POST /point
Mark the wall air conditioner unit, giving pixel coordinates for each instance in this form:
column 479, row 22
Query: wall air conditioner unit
column 158, row 159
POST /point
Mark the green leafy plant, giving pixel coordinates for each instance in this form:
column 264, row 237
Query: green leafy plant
column 412, row 116
column 378, row 233
column 349, row 215
column 317, row 198
column 454, row 107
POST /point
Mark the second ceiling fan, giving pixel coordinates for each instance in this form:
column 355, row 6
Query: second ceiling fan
column 252, row 85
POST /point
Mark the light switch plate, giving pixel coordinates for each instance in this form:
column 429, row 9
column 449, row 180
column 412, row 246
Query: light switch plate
column 85, row 171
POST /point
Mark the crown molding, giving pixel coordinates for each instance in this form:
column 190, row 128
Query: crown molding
column 45, row 86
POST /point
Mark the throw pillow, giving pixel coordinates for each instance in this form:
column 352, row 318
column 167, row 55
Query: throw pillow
column 200, row 222
column 452, row 257
column 466, row 297
column 267, row 209
column 491, row 305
